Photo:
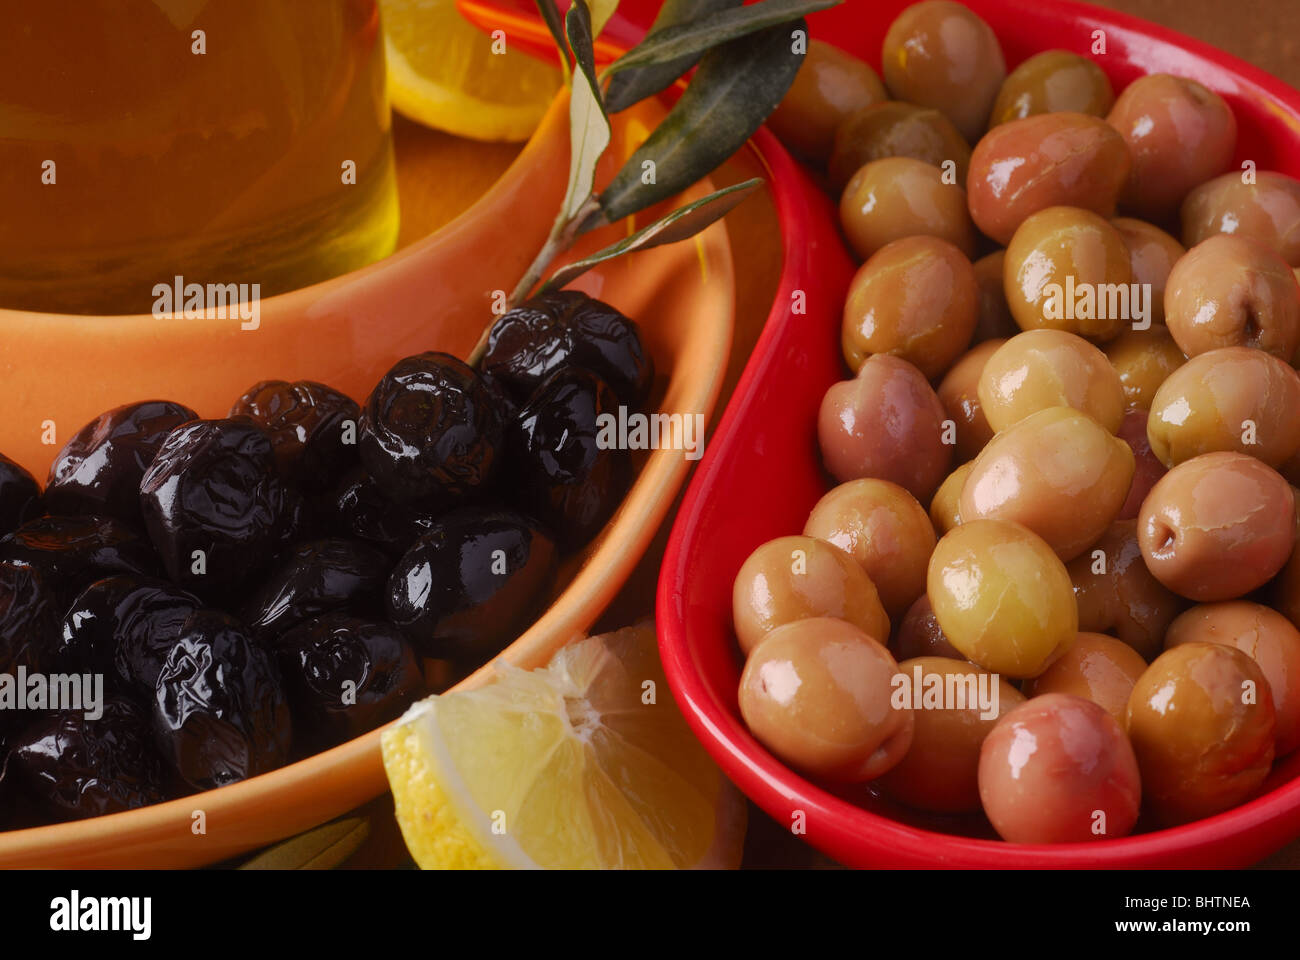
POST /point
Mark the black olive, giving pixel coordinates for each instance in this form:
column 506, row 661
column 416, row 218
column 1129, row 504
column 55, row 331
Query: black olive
column 299, row 519
column 431, row 430
column 98, row 471
column 563, row 474
column 344, row 676
column 125, row 627
column 505, row 402
column 472, row 584
column 564, row 329
column 29, row 619
column 312, row 427
column 360, row 509
column 314, row 578
column 73, row 767
column 20, row 496
column 219, row 713
column 75, row 551
column 213, row 503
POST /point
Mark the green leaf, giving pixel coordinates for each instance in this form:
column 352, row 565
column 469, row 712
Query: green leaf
column 589, row 130
column 699, row 35
column 679, row 225
column 551, row 17
column 321, row 849
column 737, row 85
column 636, row 83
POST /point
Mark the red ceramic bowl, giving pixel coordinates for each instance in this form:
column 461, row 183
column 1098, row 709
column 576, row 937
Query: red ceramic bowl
column 762, row 474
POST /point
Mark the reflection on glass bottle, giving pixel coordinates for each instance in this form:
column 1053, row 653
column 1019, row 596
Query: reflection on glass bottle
column 225, row 141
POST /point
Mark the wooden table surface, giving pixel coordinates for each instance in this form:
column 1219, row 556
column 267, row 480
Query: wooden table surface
column 455, row 172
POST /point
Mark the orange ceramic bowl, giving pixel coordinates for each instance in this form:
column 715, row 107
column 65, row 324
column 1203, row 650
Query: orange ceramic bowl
column 347, row 332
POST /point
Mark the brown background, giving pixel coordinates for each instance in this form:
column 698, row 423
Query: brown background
column 1260, row 31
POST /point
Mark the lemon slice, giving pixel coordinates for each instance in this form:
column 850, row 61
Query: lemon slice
column 442, row 72
column 586, row 763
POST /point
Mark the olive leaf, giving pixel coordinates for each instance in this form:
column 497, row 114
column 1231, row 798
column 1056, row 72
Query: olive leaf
column 735, row 88
column 321, row 849
column 550, row 14
column 589, row 129
column 682, row 223
column 685, row 39
column 634, row 84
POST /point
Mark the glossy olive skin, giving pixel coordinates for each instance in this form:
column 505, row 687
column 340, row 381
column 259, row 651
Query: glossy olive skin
column 1179, row 134
column 886, row 423
column 1116, row 593
column 1097, row 668
column 885, row 530
column 1053, row 81
column 1267, row 210
column 1002, row 597
column 994, row 320
column 214, row 488
column 1210, row 529
column 358, row 508
column 1038, row 369
column 344, row 677
column 793, row 578
column 315, row 578
column 1152, row 254
column 895, row 129
column 472, row 584
column 945, row 508
column 73, row 768
column 1061, row 267
column 430, row 429
column 562, row 471
column 20, row 496
column 1235, row 398
column 1058, row 769
column 887, row 200
column 1200, row 748
column 99, row 470
column 1058, row 472
column 916, row 298
column 563, row 329
column 941, row 770
column 1048, row 160
column 959, row 394
column 219, row 713
column 1147, row 469
column 1143, row 359
column 919, row 635
column 1232, row 291
column 1266, row 637
column 29, row 620
column 124, row 627
column 816, row 693
column 73, row 551
column 830, row 86
column 939, row 54
column 312, row 427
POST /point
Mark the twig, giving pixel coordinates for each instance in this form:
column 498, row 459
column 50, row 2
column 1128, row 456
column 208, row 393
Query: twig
column 563, row 234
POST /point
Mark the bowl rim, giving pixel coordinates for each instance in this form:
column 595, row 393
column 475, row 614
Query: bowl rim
column 609, row 560
column 778, row 788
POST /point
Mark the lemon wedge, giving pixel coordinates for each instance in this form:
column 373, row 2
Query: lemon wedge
column 586, row 763
column 443, row 72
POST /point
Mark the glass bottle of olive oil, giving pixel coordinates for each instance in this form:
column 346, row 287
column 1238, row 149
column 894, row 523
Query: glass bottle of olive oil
column 223, row 141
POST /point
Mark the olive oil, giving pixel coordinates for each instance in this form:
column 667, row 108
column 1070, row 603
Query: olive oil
column 223, row 141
